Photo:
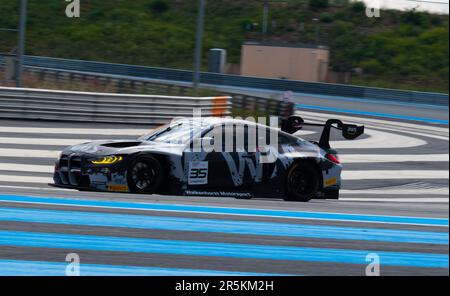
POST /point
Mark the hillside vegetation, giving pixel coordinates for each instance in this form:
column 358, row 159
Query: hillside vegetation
column 399, row 50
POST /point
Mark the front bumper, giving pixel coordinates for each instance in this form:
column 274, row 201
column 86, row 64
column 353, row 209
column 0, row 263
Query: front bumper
column 74, row 171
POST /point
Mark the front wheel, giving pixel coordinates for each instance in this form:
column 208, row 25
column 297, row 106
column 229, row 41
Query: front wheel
column 302, row 182
column 145, row 175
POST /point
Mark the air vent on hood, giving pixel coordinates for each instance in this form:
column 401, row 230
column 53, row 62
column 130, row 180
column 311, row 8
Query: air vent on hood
column 122, row 144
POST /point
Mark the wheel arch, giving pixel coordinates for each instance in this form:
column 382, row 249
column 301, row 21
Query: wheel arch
column 313, row 162
column 161, row 158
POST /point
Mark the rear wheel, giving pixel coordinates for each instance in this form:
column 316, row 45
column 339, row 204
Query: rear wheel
column 302, row 182
column 145, row 175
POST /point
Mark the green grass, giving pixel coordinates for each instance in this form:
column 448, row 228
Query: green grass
column 401, row 50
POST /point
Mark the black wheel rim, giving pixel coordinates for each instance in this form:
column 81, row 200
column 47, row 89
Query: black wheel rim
column 143, row 175
column 301, row 182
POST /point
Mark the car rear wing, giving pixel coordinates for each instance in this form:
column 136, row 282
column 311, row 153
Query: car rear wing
column 349, row 131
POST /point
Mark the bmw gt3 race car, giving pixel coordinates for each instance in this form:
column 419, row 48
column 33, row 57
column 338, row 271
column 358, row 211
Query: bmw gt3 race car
column 211, row 157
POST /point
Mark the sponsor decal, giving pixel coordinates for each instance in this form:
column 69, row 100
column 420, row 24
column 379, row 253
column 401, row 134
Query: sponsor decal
column 117, row 188
column 237, row 170
column 330, row 182
column 218, row 193
column 198, row 173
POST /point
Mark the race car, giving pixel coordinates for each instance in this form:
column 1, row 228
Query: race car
column 213, row 157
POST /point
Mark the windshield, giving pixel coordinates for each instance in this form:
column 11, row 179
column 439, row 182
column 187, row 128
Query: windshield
column 175, row 133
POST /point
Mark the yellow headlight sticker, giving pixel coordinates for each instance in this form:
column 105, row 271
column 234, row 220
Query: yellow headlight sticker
column 107, row 160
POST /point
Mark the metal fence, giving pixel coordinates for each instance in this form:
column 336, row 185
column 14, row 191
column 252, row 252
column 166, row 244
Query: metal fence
column 240, row 81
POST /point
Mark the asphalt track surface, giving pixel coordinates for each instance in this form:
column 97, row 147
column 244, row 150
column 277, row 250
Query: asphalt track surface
column 394, row 204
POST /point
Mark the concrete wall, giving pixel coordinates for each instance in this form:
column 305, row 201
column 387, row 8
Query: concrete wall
column 294, row 63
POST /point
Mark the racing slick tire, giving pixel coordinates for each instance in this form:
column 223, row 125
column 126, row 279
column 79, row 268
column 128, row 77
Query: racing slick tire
column 302, row 182
column 145, row 175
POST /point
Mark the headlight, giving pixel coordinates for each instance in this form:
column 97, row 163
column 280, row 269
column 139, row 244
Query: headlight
column 112, row 159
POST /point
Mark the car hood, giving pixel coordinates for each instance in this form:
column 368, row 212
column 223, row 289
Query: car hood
column 101, row 148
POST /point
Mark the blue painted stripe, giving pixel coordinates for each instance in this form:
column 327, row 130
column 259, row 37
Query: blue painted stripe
column 230, row 211
column 378, row 102
column 192, row 248
column 366, row 100
column 376, row 114
column 45, row 268
column 221, row 226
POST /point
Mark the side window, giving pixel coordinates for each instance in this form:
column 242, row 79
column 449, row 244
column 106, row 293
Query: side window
column 243, row 137
column 282, row 139
column 224, row 138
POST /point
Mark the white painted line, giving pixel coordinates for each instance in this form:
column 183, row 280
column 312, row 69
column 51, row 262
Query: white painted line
column 404, row 200
column 376, row 158
column 422, row 134
column 379, row 139
column 418, row 191
column 389, row 123
column 42, row 141
column 29, row 153
column 394, row 174
column 387, row 127
column 45, row 187
column 76, row 131
column 25, row 179
column 26, row 168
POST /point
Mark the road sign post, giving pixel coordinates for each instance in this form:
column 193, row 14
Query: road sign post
column 21, row 45
column 198, row 44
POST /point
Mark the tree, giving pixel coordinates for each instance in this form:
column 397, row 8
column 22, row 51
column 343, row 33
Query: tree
column 358, row 7
column 318, row 4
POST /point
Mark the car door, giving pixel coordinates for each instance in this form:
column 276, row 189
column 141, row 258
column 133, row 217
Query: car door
column 240, row 167
column 230, row 166
column 204, row 164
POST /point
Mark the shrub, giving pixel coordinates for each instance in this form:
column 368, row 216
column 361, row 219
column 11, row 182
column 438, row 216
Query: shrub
column 372, row 67
column 415, row 18
column 326, row 17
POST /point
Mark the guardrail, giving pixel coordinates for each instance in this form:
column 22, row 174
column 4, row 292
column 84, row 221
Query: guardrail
column 242, row 105
column 240, row 81
column 24, row 103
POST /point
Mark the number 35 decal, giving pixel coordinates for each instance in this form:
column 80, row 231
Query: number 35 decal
column 198, row 173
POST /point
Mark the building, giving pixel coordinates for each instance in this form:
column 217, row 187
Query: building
column 431, row 6
column 285, row 61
